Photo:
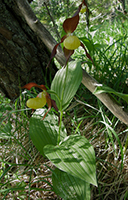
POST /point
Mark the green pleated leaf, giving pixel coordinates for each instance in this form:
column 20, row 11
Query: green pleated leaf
column 76, row 156
column 70, row 187
column 67, row 89
column 43, row 132
column 105, row 89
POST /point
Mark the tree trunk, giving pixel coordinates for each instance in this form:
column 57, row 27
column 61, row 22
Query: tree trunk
column 23, row 55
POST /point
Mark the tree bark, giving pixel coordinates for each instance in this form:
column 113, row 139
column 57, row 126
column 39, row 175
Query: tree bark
column 23, row 55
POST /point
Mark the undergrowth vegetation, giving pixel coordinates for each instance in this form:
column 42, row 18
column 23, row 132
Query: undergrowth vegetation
column 24, row 172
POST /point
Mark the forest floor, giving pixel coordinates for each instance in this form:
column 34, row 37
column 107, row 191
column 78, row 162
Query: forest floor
column 25, row 174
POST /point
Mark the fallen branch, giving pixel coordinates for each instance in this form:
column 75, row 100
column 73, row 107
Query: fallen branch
column 105, row 98
column 49, row 41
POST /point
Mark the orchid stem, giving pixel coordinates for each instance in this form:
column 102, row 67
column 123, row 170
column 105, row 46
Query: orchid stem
column 61, row 115
column 61, row 102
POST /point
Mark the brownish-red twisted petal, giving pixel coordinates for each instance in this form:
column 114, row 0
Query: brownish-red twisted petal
column 49, row 102
column 70, row 24
column 32, row 84
column 54, row 105
column 67, row 54
column 53, row 54
column 87, row 54
column 54, row 51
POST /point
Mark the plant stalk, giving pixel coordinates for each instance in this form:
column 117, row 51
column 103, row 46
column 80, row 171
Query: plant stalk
column 61, row 101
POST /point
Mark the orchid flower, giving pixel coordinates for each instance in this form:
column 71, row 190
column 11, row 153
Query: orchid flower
column 41, row 99
column 70, row 41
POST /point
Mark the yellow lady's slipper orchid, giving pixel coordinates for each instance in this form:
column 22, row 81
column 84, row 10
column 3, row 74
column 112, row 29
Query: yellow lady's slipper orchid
column 41, row 100
column 71, row 42
column 37, row 102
